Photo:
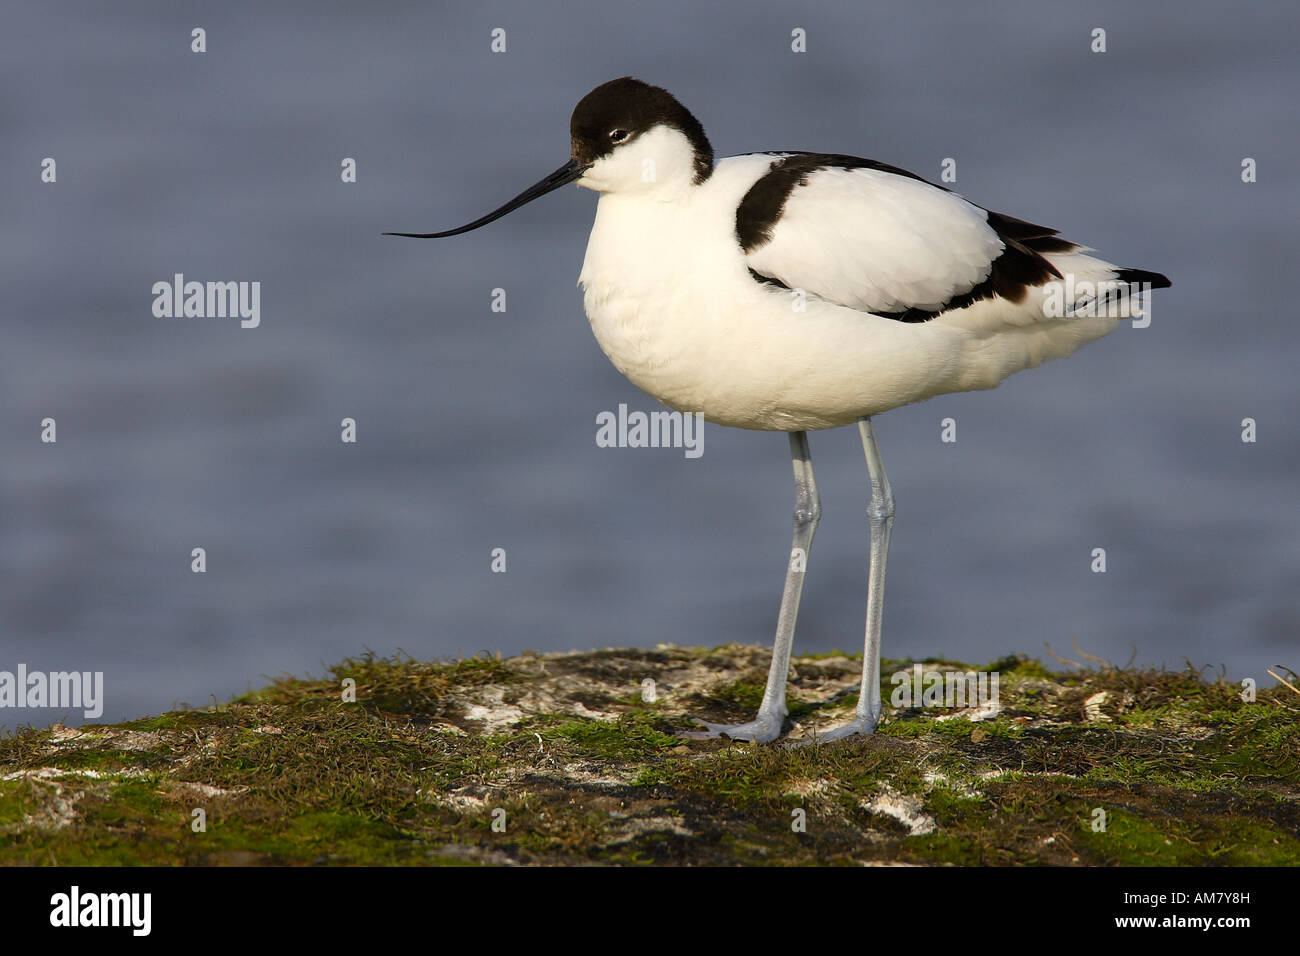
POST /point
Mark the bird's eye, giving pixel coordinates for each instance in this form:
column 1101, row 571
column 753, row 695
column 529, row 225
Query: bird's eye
column 617, row 136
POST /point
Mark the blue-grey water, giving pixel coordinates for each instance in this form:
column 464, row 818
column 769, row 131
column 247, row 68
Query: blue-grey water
column 476, row 429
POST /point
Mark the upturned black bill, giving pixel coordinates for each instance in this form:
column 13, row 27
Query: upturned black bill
column 562, row 176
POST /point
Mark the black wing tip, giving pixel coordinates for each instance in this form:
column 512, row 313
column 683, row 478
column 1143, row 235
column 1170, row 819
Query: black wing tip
column 1155, row 280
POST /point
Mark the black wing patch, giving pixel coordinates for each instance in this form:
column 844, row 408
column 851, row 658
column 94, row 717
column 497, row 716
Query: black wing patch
column 1020, row 267
column 763, row 204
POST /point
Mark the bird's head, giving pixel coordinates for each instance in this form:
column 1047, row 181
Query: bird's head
column 634, row 137
column 627, row 137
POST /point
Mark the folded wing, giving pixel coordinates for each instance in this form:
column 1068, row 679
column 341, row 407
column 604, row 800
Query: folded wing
column 876, row 238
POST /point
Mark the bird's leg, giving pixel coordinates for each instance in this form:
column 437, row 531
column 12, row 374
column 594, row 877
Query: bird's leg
column 766, row 726
column 880, row 513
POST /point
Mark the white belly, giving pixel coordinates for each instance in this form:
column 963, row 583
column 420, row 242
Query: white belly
column 749, row 361
column 678, row 313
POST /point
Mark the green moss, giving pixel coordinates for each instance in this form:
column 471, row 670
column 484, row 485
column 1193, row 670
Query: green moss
column 631, row 736
column 1131, row 840
column 1019, row 666
column 743, row 695
column 178, row 720
column 1186, row 772
column 15, row 802
column 106, row 759
column 827, row 655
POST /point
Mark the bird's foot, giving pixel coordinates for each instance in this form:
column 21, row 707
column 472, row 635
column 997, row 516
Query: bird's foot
column 762, row 730
column 858, row 725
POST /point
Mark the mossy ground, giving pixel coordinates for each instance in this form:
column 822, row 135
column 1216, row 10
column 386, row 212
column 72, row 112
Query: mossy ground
column 574, row 765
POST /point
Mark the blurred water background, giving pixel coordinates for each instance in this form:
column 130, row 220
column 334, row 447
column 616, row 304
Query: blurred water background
column 476, row 430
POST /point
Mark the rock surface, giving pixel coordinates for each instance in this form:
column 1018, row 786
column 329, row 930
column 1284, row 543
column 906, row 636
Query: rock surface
column 575, row 759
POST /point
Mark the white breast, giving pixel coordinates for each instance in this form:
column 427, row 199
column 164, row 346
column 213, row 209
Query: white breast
column 673, row 304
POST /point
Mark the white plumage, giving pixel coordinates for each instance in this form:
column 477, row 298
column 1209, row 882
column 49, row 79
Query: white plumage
column 798, row 291
column 671, row 301
column 875, row 241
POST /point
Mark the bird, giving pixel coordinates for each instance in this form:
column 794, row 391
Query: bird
column 795, row 291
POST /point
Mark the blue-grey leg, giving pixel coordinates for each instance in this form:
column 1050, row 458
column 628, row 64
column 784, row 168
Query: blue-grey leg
column 880, row 514
column 766, row 727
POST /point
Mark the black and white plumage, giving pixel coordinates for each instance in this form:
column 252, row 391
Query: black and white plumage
column 877, row 238
column 792, row 291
